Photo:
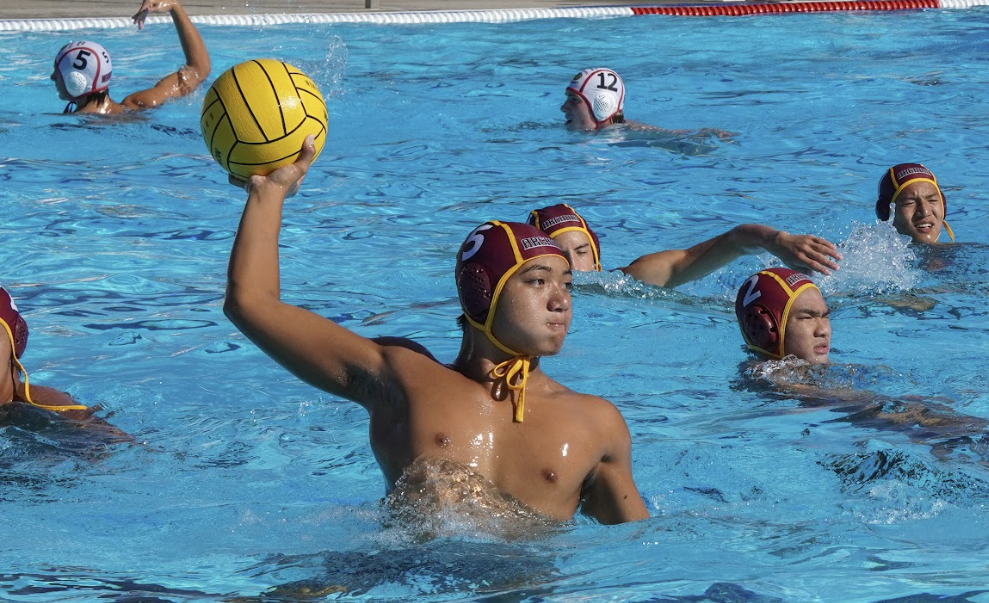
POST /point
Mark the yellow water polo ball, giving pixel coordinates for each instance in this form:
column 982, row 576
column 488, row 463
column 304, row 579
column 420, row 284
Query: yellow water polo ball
column 257, row 114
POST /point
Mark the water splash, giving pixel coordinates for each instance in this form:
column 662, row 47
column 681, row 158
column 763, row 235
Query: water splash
column 876, row 261
column 328, row 73
column 437, row 498
column 831, row 377
column 617, row 284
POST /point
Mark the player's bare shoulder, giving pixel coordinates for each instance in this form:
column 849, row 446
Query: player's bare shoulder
column 596, row 414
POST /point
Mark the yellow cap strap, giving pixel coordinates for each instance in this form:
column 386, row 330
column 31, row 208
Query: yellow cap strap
column 948, row 228
column 27, row 381
column 51, row 407
column 515, row 372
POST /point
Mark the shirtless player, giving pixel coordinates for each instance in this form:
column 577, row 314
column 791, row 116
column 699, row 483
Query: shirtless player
column 493, row 410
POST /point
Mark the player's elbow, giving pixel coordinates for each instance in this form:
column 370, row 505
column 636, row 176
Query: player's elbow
column 200, row 71
column 233, row 309
column 238, row 306
column 245, row 305
column 648, row 272
column 188, row 79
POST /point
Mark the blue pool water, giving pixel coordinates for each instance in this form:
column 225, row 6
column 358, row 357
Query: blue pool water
column 248, row 485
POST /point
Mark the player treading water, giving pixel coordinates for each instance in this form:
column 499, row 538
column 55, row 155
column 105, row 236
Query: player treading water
column 492, row 411
column 83, row 69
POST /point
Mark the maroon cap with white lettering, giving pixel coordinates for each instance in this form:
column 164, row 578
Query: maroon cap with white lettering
column 763, row 304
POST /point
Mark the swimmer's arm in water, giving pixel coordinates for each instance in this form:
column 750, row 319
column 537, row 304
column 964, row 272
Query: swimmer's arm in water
column 50, row 397
column 197, row 63
column 313, row 348
column 609, row 494
column 676, row 267
column 922, row 418
column 703, row 133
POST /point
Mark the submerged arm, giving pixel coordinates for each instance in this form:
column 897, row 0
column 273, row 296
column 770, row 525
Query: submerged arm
column 197, row 63
column 675, row 267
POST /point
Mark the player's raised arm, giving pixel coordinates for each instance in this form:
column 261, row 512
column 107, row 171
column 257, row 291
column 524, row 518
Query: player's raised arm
column 314, row 348
column 197, row 63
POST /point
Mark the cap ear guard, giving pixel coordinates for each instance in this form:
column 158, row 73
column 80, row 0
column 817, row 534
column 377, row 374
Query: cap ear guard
column 605, row 107
column 76, row 84
column 761, row 330
column 887, row 190
column 475, row 288
column 19, row 332
column 882, row 210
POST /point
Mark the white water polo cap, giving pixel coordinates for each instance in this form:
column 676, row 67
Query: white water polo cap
column 603, row 91
column 85, row 68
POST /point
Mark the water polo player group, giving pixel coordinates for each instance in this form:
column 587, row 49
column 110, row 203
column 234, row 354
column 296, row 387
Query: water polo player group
column 491, row 413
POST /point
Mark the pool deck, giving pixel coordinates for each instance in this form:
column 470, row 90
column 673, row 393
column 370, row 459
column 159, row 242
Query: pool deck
column 69, row 9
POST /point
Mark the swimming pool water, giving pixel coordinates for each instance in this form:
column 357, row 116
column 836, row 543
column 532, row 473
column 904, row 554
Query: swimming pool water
column 249, row 485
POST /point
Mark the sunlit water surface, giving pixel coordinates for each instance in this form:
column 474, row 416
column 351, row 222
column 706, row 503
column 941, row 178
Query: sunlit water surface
column 248, row 485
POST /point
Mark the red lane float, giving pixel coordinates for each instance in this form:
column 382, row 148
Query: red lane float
column 737, row 10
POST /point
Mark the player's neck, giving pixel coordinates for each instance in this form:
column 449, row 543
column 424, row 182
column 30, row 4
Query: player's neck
column 479, row 356
column 98, row 103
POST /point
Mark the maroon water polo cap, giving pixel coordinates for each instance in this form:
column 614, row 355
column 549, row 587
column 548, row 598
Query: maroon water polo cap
column 491, row 253
column 896, row 179
column 763, row 304
column 13, row 323
column 558, row 219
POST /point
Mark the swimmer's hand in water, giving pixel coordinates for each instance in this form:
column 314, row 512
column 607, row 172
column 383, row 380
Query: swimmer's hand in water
column 152, row 6
column 722, row 135
column 288, row 178
column 806, row 252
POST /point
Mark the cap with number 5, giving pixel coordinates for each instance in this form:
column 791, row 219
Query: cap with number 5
column 85, row 68
column 488, row 257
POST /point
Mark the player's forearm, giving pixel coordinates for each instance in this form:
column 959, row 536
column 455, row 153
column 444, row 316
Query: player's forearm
column 752, row 238
column 706, row 257
column 253, row 272
column 196, row 55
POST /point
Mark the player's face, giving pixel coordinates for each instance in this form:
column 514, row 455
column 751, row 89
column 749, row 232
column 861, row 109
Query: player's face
column 577, row 247
column 6, row 352
column 808, row 328
column 577, row 112
column 919, row 212
column 60, row 85
column 533, row 313
column 6, row 363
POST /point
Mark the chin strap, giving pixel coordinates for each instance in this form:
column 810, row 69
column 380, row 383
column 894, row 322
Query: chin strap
column 51, row 407
column 950, row 233
column 515, row 372
column 19, row 368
